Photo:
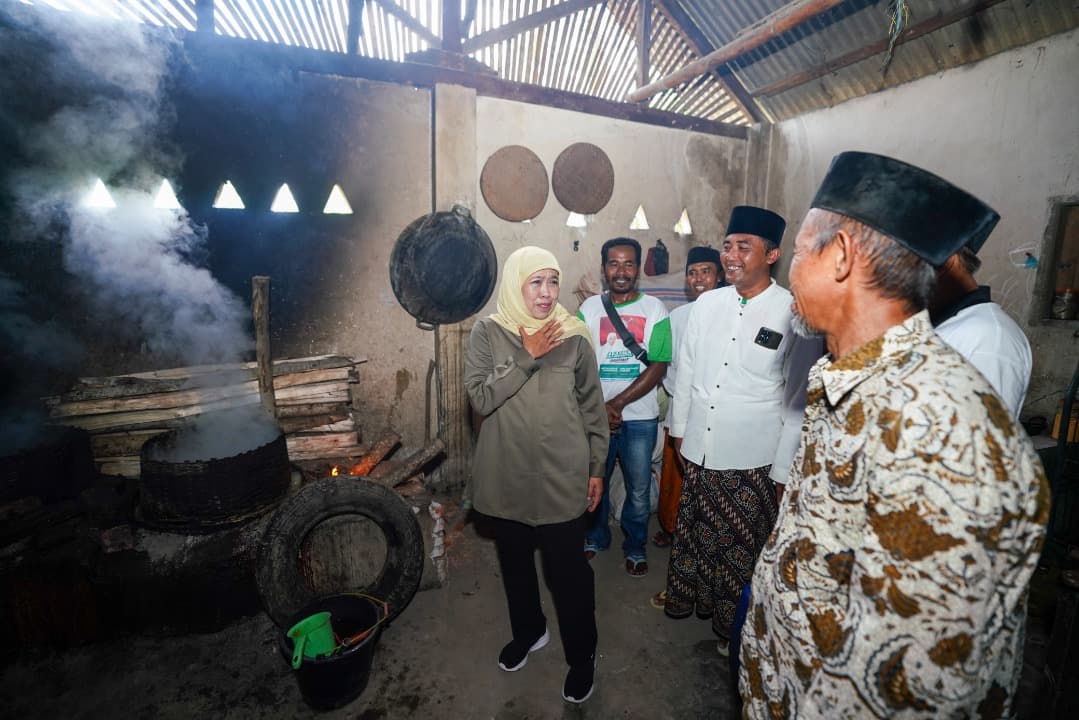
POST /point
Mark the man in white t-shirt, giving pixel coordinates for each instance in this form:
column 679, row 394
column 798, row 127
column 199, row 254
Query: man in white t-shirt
column 629, row 381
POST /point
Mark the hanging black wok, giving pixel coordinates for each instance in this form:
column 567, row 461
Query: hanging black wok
column 443, row 268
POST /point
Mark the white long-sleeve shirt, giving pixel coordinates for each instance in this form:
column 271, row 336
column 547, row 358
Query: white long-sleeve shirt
column 735, row 408
column 987, row 336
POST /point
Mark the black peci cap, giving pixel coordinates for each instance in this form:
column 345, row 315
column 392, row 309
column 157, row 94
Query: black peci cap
column 922, row 212
column 749, row 220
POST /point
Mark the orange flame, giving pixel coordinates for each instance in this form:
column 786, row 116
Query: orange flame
column 334, row 472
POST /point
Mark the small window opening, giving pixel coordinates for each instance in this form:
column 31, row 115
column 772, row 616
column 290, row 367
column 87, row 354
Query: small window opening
column 682, row 227
column 337, row 203
column 166, row 198
column 640, row 221
column 283, row 202
column 576, row 220
column 227, row 198
column 99, row 197
column 1062, row 245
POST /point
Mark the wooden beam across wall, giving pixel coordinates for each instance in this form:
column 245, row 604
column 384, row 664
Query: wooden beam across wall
column 524, row 24
column 224, row 51
column 938, row 21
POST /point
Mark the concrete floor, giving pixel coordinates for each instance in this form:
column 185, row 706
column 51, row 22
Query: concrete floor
column 437, row 660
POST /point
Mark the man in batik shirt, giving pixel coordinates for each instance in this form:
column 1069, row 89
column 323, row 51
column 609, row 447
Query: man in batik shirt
column 895, row 583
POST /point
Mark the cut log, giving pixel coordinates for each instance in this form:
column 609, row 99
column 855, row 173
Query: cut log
column 411, row 465
column 382, row 447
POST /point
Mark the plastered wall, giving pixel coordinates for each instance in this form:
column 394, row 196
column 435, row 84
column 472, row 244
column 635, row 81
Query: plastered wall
column 664, row 170
column 1005, row 129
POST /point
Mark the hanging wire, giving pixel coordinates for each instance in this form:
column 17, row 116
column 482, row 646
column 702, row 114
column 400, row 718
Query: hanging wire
column 900, row 19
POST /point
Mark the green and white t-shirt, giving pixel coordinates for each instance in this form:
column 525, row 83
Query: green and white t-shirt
column 645, row 317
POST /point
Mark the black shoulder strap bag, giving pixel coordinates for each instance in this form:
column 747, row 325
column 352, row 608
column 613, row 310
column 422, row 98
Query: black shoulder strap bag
column 627, row 338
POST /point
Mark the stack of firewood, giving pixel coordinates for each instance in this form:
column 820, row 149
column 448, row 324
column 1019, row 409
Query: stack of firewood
column 311, row 397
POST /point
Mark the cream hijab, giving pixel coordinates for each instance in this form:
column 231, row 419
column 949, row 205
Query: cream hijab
column 512, row 312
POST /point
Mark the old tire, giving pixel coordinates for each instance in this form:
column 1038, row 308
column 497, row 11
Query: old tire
column 281, row 582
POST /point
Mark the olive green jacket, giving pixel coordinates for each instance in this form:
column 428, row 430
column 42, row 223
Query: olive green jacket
column 544, row 431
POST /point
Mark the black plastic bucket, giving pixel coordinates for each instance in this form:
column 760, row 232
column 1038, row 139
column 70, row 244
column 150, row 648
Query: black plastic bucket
column 334, row 681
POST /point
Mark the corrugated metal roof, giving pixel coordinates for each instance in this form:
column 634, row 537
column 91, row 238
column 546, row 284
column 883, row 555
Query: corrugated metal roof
column 841, row 33
column 590, row 47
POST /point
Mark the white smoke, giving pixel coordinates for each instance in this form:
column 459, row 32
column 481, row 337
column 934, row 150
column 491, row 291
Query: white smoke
column 137, row 262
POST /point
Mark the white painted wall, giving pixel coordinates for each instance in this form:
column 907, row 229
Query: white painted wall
column 662, row 168
column 1006, row 129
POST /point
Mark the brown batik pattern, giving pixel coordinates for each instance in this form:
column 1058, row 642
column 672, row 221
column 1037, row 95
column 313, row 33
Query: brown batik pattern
column 895, row 582
column 724, row 518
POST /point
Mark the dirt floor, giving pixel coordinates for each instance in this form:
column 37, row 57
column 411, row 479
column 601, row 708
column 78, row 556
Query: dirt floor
column 437, row 660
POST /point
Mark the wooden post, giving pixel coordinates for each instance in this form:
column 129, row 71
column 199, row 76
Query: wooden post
column 355, row 26
column 451, row 26
column 204, row 16
column 260, row 308
column 644, row 41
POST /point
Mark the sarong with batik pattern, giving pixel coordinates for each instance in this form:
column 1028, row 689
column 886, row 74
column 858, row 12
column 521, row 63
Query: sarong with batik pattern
column 724, row 519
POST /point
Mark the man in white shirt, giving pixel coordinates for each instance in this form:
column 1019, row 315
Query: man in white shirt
column 704, row 272
column 731, row 388
column 979, row 329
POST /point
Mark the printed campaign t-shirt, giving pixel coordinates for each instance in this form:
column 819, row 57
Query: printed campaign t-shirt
column 647, row 319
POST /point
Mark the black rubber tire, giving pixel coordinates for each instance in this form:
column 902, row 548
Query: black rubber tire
column 282, row 585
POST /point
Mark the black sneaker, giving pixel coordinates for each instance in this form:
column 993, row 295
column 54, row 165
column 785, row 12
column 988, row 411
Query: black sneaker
column 580, row 681
column 514, row 656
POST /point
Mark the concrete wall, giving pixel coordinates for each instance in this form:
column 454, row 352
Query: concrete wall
column 1005, row 129
column 663, row 169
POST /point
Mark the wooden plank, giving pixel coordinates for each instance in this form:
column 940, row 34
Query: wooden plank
column 313, row 376
column 938, row 21
column 153, row 418
column 129, row 442
column 406, row 19
column 280, row 367
column 309, row 409
column 125, row 467
column 644, row 40
column 260, row 309
column 525, row 23
column 341, row 453
column 693, row 36
column 313, row 422
column 771, row 26
column 323, row 442
column 157, row 401
column 224, row 50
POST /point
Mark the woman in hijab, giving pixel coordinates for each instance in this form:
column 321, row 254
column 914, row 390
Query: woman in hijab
column 531, row 372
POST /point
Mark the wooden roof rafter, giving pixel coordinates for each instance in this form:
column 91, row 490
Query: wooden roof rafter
column 692, row 34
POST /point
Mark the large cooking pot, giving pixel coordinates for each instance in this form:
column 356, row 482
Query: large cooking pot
column 443, row 268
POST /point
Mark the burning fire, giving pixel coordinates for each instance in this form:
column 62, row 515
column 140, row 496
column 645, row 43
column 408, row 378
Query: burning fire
column 334, row 472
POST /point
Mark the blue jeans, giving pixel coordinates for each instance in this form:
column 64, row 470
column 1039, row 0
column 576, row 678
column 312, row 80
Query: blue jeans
column 632, row 444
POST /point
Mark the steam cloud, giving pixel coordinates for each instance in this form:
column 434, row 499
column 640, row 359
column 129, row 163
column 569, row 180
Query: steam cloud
column 84, row 98
column 137, row 261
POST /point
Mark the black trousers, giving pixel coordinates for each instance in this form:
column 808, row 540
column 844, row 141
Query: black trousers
column 569, row 578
